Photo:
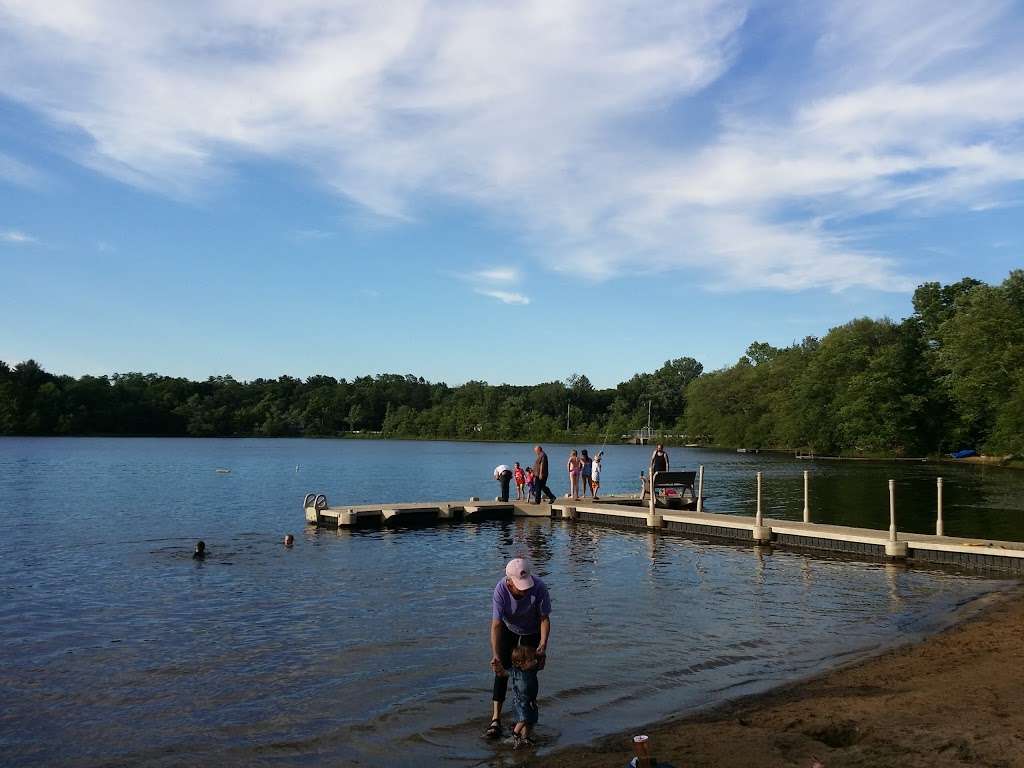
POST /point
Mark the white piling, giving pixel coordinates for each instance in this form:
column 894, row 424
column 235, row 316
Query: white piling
column 758, row 520
column 700, row 489
column 894, row 548
column 892, row 510
column 938, row 515
column 761, row 532
column 807, row 496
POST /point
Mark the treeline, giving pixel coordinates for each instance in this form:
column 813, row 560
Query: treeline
column 950, row 376
column 35, row 402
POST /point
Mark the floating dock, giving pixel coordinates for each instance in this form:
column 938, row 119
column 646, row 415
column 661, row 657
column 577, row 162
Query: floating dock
column 631, row 512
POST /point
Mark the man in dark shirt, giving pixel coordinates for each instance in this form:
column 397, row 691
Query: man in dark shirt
column 540, row 475
column 659, row 460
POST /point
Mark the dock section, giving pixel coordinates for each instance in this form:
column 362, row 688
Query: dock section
column 630, row 512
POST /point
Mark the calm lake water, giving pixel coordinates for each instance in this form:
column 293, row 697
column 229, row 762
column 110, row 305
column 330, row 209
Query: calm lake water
column 371, row 647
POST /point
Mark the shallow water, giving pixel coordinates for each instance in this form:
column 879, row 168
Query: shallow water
column 371, row 647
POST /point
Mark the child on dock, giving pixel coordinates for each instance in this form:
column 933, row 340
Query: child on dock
column 595, row 474
column 530, row 480
column 520, row 478
column 523, row 676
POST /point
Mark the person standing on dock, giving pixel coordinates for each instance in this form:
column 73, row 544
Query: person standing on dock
column 659, row 460
column 520, row 477
column 520, row 615
column 587, row 463
column 540, row 475
column 504, row 476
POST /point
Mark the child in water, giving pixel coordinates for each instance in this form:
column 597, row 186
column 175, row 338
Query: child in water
column 523, row 676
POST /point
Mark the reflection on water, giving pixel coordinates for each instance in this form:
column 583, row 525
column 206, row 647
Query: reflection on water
column 372, row 646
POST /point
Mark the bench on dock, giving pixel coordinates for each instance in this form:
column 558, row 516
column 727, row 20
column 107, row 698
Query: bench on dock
column 673, row 490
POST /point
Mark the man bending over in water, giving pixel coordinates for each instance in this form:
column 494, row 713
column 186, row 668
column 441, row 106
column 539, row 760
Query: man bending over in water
column 520, row 615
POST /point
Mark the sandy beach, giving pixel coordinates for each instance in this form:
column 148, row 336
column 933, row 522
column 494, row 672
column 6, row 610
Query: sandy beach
column 953, row 699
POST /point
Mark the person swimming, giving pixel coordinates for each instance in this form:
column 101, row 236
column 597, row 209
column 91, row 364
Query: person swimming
column 200, row 552
column 289, row 540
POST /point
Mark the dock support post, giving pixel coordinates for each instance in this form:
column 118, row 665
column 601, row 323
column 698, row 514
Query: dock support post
column 894, row 548
column 761, row 532
column 653, row 518
column 700, row 489
column 939, row 530
column 807, row 496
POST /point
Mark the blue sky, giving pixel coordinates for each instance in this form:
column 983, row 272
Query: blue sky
column 501, row 191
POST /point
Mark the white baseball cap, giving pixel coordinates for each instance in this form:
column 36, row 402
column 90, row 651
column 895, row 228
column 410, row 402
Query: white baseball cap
column 518, row 571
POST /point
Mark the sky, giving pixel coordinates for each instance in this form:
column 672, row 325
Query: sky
column 509, row 192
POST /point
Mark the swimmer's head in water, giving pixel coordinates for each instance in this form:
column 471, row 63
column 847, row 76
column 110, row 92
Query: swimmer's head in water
column 200, row 549
column 289, row 540
column 524, row 657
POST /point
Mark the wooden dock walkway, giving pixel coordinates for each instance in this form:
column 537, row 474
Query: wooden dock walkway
column 630, row 512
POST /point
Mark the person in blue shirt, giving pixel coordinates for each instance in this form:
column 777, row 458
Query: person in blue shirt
column 520, row 615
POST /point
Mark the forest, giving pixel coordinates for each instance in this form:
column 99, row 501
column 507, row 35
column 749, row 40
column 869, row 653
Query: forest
column 949, row 376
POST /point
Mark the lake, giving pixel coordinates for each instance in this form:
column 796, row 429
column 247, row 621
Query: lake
column 370, row 647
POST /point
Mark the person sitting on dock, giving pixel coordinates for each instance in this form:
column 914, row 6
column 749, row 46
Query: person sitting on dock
column 200, row 552
column 540, row 475
column 520, row 615
column 504, row 476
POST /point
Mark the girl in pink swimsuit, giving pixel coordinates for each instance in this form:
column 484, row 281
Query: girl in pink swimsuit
column 575, row 466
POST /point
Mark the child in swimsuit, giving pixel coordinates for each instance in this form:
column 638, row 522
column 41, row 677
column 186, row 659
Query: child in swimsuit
column 575, row 466
column 520, row 478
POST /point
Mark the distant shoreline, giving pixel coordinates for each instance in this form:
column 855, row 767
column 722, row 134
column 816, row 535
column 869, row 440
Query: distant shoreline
column 988, row 461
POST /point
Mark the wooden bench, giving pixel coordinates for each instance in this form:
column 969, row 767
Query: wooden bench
column 674, row 490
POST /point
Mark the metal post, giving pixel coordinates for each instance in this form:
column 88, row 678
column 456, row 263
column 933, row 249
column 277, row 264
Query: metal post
column 807, row 496
column 892, row 511
column 700, row 489
column 758, row 520
column 938, row 517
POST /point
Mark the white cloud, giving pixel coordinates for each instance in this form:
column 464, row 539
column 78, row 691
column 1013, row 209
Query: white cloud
column 312, row 234
column 506, row 297
column 497, row 275
column 585, row 123
column 17, row 237
column 17, row 172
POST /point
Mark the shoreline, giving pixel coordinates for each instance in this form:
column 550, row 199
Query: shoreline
column 948, row 699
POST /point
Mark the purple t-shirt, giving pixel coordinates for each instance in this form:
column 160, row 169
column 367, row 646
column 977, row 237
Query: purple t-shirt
column 522, row 615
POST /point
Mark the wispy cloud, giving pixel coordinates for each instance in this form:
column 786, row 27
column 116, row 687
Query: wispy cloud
column 17, row 237
column 585, row 125
column 505, row 297
column 484, row 280
column 497, row 275
column 312, row 234
column 17, row 172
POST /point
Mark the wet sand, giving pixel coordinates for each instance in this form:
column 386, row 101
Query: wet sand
column 953, row 699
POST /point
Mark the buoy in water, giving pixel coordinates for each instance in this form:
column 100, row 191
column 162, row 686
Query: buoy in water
column 223, row 471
